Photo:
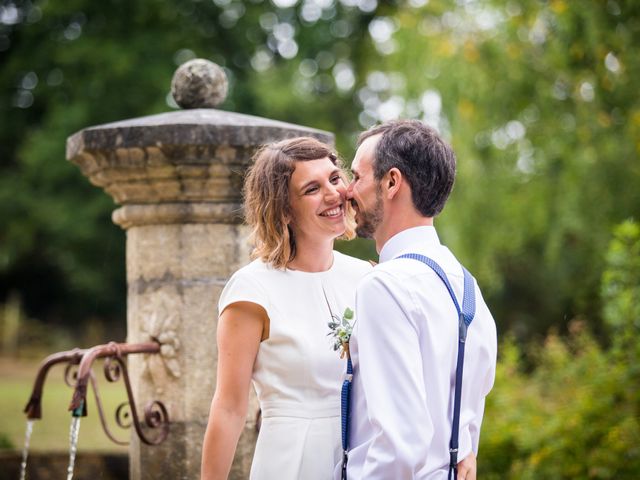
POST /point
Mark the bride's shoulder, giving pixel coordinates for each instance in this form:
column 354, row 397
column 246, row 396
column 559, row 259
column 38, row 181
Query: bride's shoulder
column 256, row 269
column 349, row 262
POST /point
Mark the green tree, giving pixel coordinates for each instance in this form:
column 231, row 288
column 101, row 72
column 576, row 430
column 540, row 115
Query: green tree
column 68, row 65
column 621, row 280
column 538, row 99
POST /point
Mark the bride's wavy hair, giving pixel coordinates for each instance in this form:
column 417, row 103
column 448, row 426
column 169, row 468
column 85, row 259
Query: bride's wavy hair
column 267, row 208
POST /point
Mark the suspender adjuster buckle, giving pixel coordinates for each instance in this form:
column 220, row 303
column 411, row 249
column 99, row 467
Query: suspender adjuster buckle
column 453, row 457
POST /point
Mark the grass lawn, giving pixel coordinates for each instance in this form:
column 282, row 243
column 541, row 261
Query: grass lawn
column 51, row 432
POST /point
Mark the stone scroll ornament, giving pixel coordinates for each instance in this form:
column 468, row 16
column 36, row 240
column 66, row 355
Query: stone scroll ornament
column 160, row 322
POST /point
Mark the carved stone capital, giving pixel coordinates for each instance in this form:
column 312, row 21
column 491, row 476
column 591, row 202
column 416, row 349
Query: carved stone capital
column 177, row 167
column 177, row 213
column 152, row 174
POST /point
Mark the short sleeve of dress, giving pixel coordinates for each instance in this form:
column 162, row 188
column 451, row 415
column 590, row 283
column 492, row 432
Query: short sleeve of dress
column 241, row 287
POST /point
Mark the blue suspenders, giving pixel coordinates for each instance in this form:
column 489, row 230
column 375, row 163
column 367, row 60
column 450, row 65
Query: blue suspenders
column 465, row 316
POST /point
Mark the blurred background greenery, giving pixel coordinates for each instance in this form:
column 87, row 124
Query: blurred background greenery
column 537, row 97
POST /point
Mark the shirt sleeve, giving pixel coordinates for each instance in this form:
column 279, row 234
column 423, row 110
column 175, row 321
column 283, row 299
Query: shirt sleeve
column 486, row 382
column 390, row 365
column 474, row 427
column 242, row 287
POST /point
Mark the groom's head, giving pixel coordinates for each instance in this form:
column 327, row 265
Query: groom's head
column 400, row 165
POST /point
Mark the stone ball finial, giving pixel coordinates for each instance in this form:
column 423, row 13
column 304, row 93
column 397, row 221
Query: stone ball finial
column 199, row 83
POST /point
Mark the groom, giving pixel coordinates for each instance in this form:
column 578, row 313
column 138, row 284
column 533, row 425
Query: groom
column 405, row 342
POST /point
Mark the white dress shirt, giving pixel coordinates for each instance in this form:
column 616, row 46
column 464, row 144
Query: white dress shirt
column 404, row 347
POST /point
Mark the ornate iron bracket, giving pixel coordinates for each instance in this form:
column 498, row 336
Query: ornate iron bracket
column 155, row 413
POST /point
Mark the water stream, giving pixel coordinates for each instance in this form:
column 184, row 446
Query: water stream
column 73, row 444
column 25, row 450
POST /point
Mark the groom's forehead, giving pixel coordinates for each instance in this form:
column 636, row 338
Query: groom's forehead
column 365, row 153
column 358, row 166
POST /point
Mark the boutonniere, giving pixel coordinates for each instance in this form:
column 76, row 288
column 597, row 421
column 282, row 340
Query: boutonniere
column 341, row 329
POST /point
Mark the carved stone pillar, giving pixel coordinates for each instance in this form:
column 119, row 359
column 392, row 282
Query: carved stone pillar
column 178, row 178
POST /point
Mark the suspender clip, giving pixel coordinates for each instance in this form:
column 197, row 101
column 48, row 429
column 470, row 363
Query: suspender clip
column 462, row 328
column 345, row 459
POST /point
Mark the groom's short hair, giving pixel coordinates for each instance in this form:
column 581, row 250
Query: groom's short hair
column 426, row 161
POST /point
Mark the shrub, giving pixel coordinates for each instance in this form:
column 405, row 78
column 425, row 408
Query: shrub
column 577, row 413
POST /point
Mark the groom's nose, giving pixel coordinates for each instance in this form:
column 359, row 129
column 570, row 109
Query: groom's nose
column 350, row 191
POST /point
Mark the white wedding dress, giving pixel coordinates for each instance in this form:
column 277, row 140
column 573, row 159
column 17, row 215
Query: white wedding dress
column 297, row 375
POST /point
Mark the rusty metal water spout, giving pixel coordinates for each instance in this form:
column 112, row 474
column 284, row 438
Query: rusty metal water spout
column 33, row 409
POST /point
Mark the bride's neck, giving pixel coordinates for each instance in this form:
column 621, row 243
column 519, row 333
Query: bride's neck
column 312, row 256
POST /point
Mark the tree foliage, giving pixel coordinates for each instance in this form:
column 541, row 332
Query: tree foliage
column 621, row 280
column 68, row 65
column 538, row 98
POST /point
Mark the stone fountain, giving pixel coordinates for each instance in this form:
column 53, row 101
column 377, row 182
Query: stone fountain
column 177, row 177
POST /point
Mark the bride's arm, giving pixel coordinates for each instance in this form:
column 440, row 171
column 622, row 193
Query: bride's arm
column 241, row 328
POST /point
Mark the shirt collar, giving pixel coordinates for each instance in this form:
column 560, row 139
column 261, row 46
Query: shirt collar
column 406, row 239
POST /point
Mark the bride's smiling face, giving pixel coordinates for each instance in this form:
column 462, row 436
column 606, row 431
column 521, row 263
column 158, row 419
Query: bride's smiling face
column 317, row 199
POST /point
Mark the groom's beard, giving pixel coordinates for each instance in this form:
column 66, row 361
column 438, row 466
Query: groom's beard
column 368, row 221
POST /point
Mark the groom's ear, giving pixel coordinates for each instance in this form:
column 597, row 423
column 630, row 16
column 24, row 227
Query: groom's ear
column 392, row 182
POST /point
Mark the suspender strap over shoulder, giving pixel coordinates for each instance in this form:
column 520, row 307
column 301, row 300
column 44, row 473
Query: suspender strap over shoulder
column 465, row 317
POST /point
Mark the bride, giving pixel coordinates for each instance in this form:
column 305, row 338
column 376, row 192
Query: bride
column 273, row 315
